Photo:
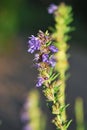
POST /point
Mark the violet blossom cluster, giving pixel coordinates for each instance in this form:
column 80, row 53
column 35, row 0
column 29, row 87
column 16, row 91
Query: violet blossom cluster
column 52, row 8
column 44, row 56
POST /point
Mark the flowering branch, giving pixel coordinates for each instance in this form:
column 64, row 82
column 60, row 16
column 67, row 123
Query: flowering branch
column 45, row 62
column 51, row 62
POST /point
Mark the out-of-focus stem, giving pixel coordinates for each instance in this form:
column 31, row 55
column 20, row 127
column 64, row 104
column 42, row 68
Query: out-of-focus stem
column 34, row 117
column 79, row 114
column 63, row 18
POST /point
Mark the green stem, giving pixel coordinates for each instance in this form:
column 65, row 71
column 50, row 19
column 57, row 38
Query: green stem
column 79, row 114
column 62, row 100
column 63, row 18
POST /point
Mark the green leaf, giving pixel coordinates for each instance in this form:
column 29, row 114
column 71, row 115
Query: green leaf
column 64, row 107
column 46, row 32
column 56, row 88
column 51, row 71
column 66, row 38
column 48, row 43
column 67, row 125
column 52, row 29
column 54, row 76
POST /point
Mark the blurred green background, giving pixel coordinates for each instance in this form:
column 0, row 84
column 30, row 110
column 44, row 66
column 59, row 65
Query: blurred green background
column 23, row 17
column 18, row 20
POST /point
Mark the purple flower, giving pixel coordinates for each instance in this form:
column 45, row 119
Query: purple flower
column 40, row 82
column 27, row 127
column 53, row 49
column 52, row 61
column 52, row 8
column 27, row 104
column 45, row 57
column 24, row 117
column 37, row 57
column 37, row 65
column 34, row 44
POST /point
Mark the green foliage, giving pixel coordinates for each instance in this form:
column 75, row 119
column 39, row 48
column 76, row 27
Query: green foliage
column 19, row 17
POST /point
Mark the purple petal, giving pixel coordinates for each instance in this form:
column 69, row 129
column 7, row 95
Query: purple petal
column 40, row 82
column 52, row 8
column 27, row 127
column 24, row 117
column 33, row 44
column 52, row 62
column 37, row 65
column 45, row 57
column 36, row 57
column 53, row 49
